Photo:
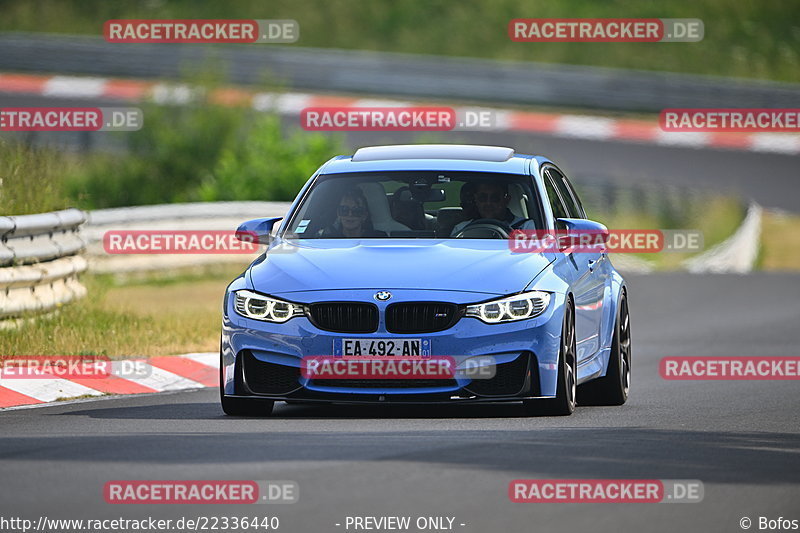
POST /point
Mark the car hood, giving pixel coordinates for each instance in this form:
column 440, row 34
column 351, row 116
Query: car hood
column 480, row 266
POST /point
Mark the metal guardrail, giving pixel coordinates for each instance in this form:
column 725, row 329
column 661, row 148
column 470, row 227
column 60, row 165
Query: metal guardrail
column 737, row 254
column 406, row 75
column 225, row 216
column 39, row 261
column 186, row 211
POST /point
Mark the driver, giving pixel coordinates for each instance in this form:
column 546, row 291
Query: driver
column 491, row 200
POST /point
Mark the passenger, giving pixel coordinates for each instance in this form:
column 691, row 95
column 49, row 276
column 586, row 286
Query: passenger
column 352, row 218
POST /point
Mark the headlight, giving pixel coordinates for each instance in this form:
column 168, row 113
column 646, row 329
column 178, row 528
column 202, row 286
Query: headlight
column 259, row 307
column 518, row 307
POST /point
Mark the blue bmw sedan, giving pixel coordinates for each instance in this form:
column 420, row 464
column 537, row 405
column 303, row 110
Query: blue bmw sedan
column 400, row 255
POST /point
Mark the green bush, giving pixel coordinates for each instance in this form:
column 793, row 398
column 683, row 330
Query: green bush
column 265, row 165
column 165, row 161
column 203, row 151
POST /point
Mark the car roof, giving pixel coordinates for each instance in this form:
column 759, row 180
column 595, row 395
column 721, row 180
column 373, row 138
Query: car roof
column 497, row 154
column 464, row 157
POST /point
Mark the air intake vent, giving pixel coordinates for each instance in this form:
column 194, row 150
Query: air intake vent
column 508, row 380
column 421, row 317
column 269, row 378
column 345, row 317
column 386, row 383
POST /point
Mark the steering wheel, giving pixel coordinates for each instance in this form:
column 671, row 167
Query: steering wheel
column 501, row 229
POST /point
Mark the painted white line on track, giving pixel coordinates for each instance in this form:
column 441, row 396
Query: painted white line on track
column 47, row 390
column 163, row 380
column 207, row 358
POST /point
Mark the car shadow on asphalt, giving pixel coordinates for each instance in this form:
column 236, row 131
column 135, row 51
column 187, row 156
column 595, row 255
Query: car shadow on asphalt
column 235, row 447
column 212, row 411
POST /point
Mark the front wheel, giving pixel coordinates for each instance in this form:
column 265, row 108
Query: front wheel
column 612, row 389
column 564, row 402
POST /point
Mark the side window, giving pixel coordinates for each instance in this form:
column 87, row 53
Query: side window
column 578, row 204
column 564, row 191
column 559, row 211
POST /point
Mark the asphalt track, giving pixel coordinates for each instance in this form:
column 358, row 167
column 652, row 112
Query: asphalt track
column 741, row 439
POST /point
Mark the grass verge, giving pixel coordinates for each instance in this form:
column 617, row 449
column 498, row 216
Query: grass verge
column 717, row 220
column 31, row 179
column 143, row 318
column 780, row 242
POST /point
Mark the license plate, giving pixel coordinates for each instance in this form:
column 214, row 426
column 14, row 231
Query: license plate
column 382, row 347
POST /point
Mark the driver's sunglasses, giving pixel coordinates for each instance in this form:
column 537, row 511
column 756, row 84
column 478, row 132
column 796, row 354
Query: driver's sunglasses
column 346, row 211
column 493, row 198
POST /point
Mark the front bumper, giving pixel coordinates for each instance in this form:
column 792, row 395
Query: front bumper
column 261, row 359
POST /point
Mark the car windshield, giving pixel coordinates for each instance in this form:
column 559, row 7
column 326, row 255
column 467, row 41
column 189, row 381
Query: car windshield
column 416, row 204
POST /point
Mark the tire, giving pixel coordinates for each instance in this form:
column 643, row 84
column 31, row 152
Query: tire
column 613, row 388
column 253, row 407
column 565, row 401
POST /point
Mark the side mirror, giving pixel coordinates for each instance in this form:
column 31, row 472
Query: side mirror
column 581, row 224
column 582, row 235
column 257, row 230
